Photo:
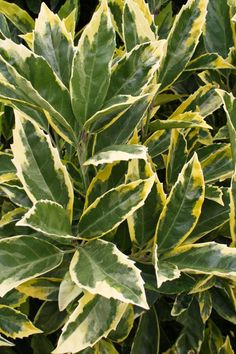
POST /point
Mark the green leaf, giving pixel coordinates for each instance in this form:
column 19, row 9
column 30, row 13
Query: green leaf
column 52, row 41
column 183, row 207
column 213, row 215
column 147, row 337
column 92, row 65
column 208, row 61
column 113, row 207
column 48, row 181
column 41, row 288
column 142, row 223
column 47, row 217
column 68, row 292
column 85, row 328
column 135, row 70
column 204, row 258
column 48, row 318
column 104, row 347
column 15, row 324
column 177, row 156
column 224, row 303
column 218, row 16
column 182, row 41
column 164, row 20
column 100, row 268
column 41, row 344
column 68, row 7
column 136, row 24
column 23, row 258
column 19, row 17
column 124, row 326
column 118, row 153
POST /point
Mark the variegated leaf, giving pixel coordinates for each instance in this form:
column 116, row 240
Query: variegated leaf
column 13, row 299
column 136, row 27
column 42, row 179
column 113, row 207
column 19, row 17
column 124, row 326
column 183, row 120
column 158, row 142
column 218, row 16
column 204, row 258
column 118, row 153
column 68, row 292
column 232, row 214
column 5, row 343
column 105, row 347
column 41, row 288
column 226, row 348
column 23, row 258
column 7, row 169
column 29, row 82
column 47, row 217
column 142, row 223
column 182, row 41
column 177, row 156
column 213, row 215
column 116, row 7
column 92, row 65
column 205, row 304
column 214, row 193
column 224, row 303
column 16, row 194
column 52, row 41
column 229, row 103
column 85, row 328
column 183, row 207
column 15, row 324
column 111, row 273
column 209, row 61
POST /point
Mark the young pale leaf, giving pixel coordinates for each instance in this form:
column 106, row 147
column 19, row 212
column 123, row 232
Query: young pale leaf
column 42, row 179
column 113, row 207
column 182, row 41
column 232, row 214
column 147, row 337
column 41, row 288
column 5, row 343
column 204, row 258
column 136, row 27
column 183, row 207
column 177, row 156
column 209, row 61
column 92, row 65
column 19, row 17
column 229, row 103
column 226, row 348
column 47, row 217
column 118, row 153
column 218, row 16
column 164, row 271
column 15, row 324
column 23, row 258
column 52, row 41
column 100, row 268
column 68, row 292
column 95, row 317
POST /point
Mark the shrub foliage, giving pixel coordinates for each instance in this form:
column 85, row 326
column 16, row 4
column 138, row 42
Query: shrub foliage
column 117, row 179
